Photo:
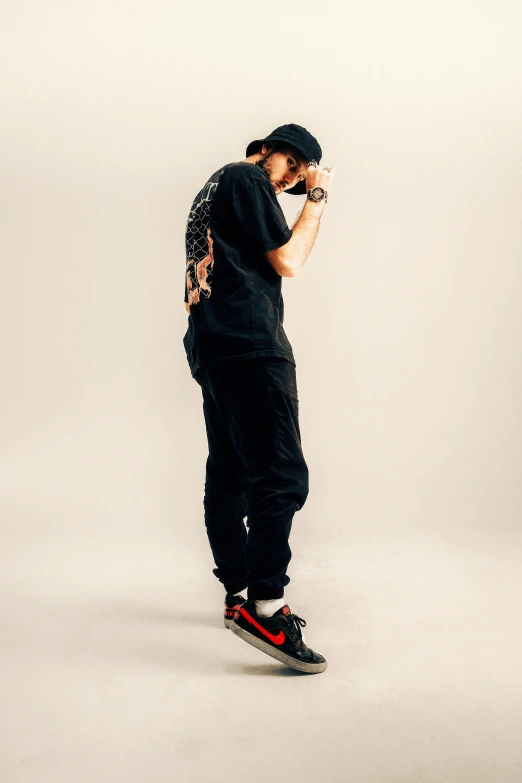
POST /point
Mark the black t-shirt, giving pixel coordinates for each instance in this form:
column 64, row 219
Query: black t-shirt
column 235, row 295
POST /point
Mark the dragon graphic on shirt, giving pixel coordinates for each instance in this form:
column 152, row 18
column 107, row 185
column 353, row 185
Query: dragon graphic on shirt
column 199, row 247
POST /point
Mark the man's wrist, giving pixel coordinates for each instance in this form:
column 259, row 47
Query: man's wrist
column 314, row 208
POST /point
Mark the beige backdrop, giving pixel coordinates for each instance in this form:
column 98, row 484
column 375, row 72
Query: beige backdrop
column 406, row 325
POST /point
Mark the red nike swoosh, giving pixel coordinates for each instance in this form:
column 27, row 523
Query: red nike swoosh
column 279, row 639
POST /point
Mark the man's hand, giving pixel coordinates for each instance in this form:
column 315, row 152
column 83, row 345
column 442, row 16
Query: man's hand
column 320, row 178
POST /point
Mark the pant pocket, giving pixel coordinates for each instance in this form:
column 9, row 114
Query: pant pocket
column 283, row 375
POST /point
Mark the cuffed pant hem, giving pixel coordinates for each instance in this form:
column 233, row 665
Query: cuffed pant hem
column 265, row 595
column 236, row 591
column 232, row 588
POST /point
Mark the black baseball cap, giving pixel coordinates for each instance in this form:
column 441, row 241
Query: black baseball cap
column 299, row 138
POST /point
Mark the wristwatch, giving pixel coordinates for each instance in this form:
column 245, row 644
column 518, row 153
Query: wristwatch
column 317, row 194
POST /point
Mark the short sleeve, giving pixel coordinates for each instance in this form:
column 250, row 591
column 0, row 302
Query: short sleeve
column 259, row 218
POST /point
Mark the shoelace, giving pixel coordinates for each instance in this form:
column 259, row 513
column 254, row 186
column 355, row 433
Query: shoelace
column 297, row 623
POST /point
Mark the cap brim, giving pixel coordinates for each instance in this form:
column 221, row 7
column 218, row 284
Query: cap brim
column 298, row 190
column 253, row 146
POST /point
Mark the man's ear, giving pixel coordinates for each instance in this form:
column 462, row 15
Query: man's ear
column 266, row 148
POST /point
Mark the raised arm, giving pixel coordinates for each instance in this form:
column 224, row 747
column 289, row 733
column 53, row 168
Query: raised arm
column 289, row 258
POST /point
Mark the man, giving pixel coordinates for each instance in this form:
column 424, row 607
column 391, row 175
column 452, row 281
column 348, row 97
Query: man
column 239, row 247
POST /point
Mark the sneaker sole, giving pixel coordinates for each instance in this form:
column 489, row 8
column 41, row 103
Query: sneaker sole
column 279, row 655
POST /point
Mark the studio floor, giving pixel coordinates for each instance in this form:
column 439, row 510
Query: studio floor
column 117, row 667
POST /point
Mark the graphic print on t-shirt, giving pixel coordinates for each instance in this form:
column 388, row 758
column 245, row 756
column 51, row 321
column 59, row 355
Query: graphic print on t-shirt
column 199, row 245
column 233, row 295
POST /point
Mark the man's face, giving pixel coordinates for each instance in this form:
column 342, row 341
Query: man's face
column 284, row 168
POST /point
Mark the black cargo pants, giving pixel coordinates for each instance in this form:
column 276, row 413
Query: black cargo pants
column 255, row 468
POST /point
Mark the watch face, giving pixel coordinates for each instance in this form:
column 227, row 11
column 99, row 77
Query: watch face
column 317, row 192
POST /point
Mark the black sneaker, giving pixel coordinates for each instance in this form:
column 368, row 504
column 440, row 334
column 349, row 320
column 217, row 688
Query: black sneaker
column 232, row 604
column 279, row 636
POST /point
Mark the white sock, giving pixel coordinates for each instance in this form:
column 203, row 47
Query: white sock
column 268, row 607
